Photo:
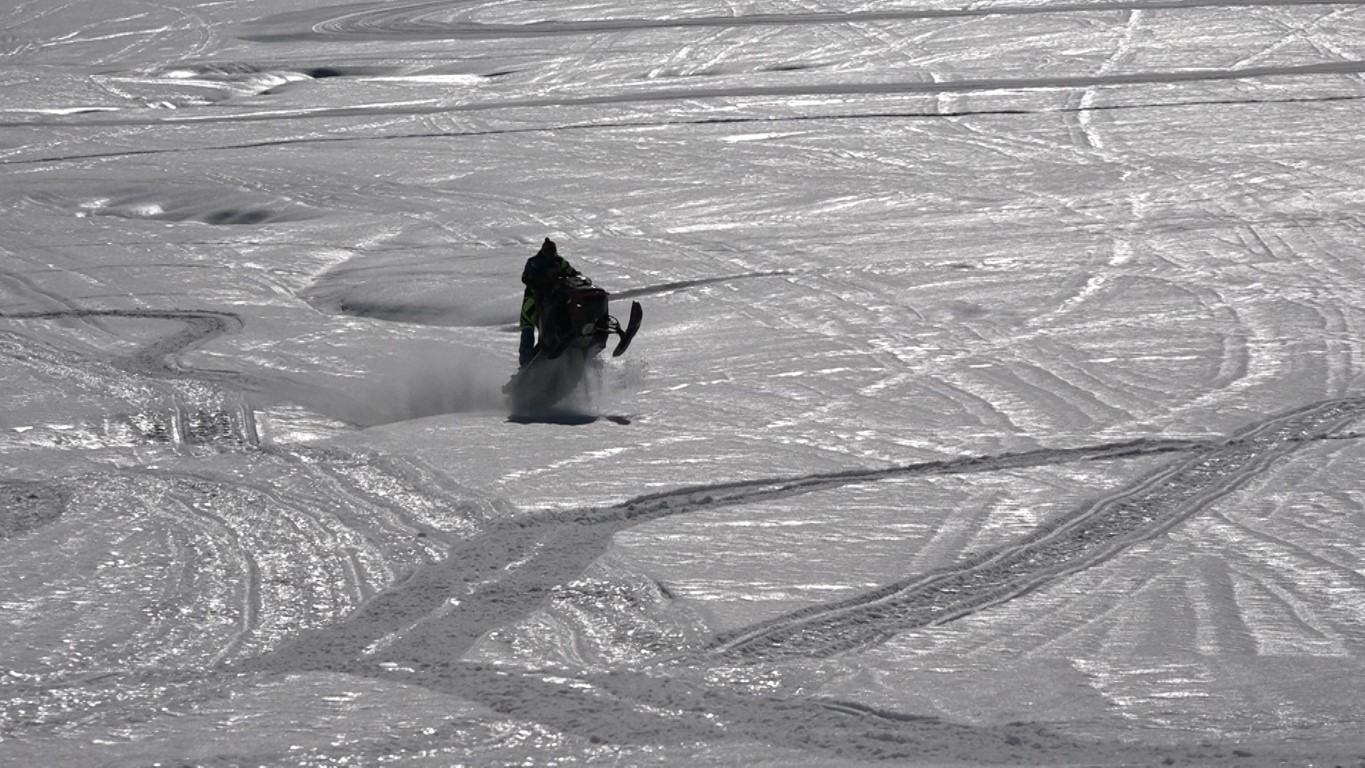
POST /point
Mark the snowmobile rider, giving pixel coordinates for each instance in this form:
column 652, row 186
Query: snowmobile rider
column 539, row 275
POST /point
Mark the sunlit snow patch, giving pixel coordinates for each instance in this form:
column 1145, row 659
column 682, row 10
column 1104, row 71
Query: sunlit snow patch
column 61, row 111
column 198, row 85
column 290, row 424
column 209, row 425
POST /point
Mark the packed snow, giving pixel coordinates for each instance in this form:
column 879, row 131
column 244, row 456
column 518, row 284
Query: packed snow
column 999, row 398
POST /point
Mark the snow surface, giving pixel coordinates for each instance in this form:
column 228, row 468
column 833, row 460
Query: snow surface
column 999, row 396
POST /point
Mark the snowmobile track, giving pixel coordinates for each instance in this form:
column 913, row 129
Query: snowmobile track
column 419, row 20
column 1090, row 536
column 158, row 358
column 718, row 495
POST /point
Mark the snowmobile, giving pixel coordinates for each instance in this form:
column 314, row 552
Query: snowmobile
column 574, row 327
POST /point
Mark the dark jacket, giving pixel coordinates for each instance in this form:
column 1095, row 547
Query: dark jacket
column 544, row 268
column 539, row 274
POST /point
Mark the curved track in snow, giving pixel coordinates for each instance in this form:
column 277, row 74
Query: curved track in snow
column 161, row 356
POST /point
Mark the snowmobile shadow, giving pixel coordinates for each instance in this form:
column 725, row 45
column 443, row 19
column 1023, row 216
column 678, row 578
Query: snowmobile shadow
column 567, row 417
column 561, row 416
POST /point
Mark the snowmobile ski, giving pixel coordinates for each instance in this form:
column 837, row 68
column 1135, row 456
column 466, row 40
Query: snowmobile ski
column 636, row 315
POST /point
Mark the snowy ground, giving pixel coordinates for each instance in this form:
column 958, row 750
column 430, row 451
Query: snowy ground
column 999, row 398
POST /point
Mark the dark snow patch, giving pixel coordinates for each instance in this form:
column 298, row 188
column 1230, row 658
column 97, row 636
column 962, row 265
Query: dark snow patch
column 204, row 204
column 567, row 417
column 421, row 287
column 28, row 506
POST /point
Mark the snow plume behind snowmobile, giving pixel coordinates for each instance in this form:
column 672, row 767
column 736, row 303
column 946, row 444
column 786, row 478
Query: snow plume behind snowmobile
column 574, row 328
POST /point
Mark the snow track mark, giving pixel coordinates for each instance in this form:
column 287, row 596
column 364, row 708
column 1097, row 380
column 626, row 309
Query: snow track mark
column 160, row 357
column 1091, row 536
column 749, row 491
column 668, row 95
column 506, row 572
column 411, row 21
